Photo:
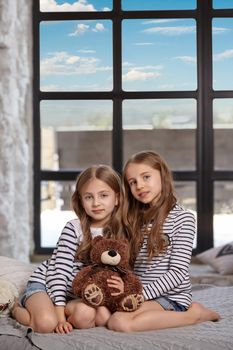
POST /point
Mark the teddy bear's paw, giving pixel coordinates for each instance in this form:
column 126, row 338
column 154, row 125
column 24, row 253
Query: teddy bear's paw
column 140, row 299
column 93, row 294
column 132, row 302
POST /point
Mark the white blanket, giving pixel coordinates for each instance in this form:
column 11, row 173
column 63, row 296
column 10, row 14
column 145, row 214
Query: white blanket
column 206, row 336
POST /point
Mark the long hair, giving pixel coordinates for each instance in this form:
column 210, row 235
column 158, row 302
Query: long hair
column 114, row 227
column 139, row 218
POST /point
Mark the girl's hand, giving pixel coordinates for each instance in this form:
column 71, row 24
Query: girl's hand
column 63, row 327
column 116, row 283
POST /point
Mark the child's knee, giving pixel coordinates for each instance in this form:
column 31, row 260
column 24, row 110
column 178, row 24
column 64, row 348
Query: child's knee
column 83, row 316
column 102, row 316
column 44, row 324
column 118, row 323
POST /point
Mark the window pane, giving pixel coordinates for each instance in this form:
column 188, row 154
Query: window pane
column 55, row 210
column 158, row 5
column 75, row 5
column 223, row 133
column 222, row 4
column 155, row 124
column 69, row 129
column 223, row 212
column 76, row 55
column 159, row 54
column 186, row 192
column 222, row 54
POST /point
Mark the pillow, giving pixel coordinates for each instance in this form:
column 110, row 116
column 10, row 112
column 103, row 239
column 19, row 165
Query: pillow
column 220, row 258
column 16, row 272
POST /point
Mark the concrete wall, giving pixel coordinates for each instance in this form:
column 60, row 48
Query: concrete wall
column 79, row 149
column 16, row 128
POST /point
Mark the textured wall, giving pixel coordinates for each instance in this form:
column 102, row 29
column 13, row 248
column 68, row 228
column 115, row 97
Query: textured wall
column 15, row 128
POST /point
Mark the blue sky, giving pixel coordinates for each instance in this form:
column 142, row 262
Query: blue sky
column 97, row 5
column 156, row 54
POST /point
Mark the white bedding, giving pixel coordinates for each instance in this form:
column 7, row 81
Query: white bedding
column 206, row 336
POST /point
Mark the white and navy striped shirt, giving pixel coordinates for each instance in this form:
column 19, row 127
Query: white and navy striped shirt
column 168, row 274
column 58, row 272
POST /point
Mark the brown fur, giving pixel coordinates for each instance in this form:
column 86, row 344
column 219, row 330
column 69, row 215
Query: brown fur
column 91, row 282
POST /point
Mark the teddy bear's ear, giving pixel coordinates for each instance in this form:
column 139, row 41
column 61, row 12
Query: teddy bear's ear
column 96, row 239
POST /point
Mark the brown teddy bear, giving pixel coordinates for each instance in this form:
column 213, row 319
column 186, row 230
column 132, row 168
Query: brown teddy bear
column 108, row 257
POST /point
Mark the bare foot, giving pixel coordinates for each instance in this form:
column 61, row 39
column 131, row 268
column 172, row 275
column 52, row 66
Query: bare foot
column 15, row 306
column 201, row 313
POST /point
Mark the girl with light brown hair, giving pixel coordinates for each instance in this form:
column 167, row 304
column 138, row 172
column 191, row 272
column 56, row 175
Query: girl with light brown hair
column 161, row 235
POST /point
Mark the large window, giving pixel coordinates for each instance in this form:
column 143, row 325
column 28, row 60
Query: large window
column 113, row 77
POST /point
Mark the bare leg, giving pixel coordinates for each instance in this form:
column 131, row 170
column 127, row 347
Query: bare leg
column 80, row 315
column 20, row 314
column 151, row 316
column 39, row 313
column 102, row 316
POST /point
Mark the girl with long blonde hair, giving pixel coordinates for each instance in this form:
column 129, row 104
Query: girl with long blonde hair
column 48, row 304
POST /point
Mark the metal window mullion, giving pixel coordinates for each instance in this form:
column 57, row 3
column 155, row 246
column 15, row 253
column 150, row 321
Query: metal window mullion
column 117, row 133
column 204, row 139
column 36, row 128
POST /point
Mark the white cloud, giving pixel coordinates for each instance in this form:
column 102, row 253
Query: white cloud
column 82, row 28
column 143, row 44
column 51, row 5
column 69, row 87
column 72, row 59
column 223, row 55
column 220, row 30
column 99, row 27
column 176, row 30
column 172, row 31
column 186, row 59
column 61, row 63
column 167, row 20
column 149, row 67
column 127, row 64
column 86, row 51
column 135, row 74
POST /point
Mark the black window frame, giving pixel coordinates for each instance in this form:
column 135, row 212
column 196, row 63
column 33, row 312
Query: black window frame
column 204, row 175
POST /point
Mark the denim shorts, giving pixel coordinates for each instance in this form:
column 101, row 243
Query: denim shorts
column 169, row 304
column 31, row 288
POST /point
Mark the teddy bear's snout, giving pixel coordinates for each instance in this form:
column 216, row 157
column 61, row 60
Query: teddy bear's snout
column 112, row 253
column 110, row 257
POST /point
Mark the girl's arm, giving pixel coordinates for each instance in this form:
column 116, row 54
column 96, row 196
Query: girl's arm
column 63, row 326
column 61, row 264
column 179, row 261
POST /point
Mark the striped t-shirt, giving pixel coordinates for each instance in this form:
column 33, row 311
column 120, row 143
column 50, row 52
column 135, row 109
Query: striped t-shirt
column 58, row 272
column 168, row 274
